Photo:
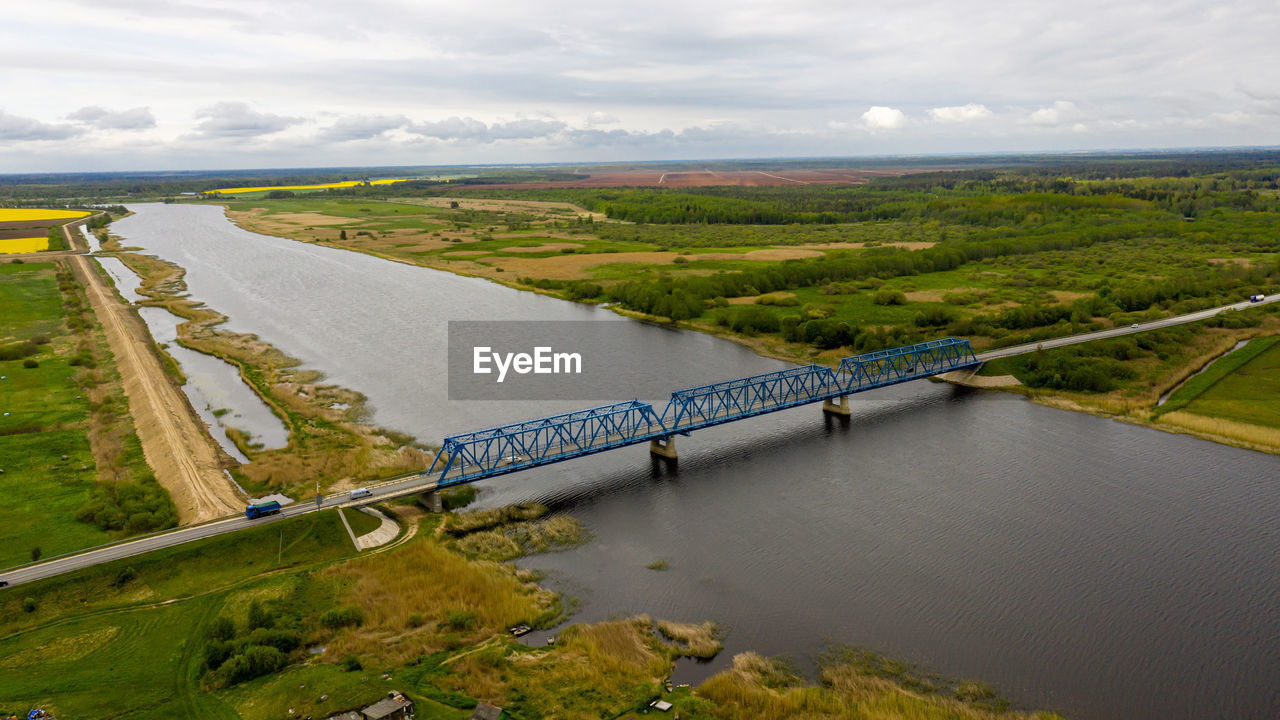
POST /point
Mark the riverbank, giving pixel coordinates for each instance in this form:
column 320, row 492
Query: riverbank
column 328, row 445
column 332, row 628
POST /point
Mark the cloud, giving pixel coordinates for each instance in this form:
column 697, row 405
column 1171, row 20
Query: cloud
column 13, row 127
column 883, row 118
column 601, row 118
column 456, row 128
column 960, row 113
column 236, row 120
column 1059, row 113
column 103, row 119
column 361, row 127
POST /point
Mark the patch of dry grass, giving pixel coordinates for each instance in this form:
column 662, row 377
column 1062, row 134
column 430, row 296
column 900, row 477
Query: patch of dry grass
column 427, row 579
column 700, row 640
column 1230, row 432
column 763, row 689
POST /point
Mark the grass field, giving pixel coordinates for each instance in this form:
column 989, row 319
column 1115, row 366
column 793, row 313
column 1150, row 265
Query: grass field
column 1246, row 389
column 103, row 644
column 49, row 468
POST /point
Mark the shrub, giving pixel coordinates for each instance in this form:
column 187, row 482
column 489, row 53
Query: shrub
column 283, row 640
column 460, row 619
column 28, row 604
column 260, row 616
column 351, row 663
column 216, row 652
column 342, row 617
column 255, row 661
column 222, row 628
column 123, row 577
column 889, row 296
column 415, row 620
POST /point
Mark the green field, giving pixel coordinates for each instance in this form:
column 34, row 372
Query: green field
column 1247, row 390
column 100, row 645
column 49, row 469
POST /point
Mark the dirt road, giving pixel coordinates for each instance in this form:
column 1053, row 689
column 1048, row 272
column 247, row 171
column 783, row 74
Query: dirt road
column 174, row 439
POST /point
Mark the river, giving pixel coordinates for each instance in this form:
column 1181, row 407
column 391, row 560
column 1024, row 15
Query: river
column 1074, row 563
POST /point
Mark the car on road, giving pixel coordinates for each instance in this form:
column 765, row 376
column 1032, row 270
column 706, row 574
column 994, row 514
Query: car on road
column 1134, row 325
column 4, row 583
column 360, row 493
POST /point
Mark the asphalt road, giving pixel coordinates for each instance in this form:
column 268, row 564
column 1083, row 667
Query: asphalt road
column 1117, row 332
column 67, row 563
column 414, row 484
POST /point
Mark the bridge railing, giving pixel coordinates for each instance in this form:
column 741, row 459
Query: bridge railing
column 508, row 448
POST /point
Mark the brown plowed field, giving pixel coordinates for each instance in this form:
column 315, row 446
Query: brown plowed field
column 707, row 178
column 28, row 228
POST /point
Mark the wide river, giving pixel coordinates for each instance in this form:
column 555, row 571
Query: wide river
column 1078, row 564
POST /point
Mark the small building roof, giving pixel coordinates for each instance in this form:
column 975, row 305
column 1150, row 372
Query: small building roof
column 385, row 708
column 485, row 711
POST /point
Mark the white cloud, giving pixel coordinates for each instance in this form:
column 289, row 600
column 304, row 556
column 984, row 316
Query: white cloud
column 456, row 128
column 960, row 113
column 360, row 127
column 15, row 128
column 1059, row 113
column 883, row 118
column 236, row 120
column 597, row 118
column 94, row 116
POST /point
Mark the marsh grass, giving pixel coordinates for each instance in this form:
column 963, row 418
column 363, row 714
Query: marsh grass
column 700, row 640
column 760, row 688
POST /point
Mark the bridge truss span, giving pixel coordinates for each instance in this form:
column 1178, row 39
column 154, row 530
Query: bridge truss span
column 889, row 367
column 730, row 400
column 509, row 448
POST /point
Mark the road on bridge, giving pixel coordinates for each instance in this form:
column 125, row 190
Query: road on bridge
column 410, row 485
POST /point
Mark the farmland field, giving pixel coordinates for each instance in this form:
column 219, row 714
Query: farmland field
column 23, row 245
column 320, row 186
column 13, row 215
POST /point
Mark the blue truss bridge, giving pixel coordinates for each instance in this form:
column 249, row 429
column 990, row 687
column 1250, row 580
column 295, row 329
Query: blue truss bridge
column 495, row 451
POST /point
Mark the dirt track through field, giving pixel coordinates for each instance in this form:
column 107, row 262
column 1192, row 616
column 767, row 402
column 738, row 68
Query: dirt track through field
column 173, row 438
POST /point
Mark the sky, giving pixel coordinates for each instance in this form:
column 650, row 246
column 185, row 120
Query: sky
column 102, row 85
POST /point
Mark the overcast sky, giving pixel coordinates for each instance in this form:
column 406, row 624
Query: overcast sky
column 193, row 84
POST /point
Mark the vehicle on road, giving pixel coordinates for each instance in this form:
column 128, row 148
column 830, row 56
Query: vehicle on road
column 4, row 583
column 1257, row 298
column 360, row 493
column 257, row 510
column 1134, row 325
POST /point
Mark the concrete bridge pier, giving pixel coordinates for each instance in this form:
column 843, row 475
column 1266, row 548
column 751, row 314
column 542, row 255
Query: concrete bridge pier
column 665, row 447
column 834, row 409
column 432, row 501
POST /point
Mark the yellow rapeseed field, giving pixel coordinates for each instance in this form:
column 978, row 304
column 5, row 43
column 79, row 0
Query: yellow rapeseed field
column 347, row 183
column 24, row 214
column 24, row 245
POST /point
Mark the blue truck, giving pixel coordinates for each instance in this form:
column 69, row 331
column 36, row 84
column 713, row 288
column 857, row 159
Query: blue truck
column 257, row 510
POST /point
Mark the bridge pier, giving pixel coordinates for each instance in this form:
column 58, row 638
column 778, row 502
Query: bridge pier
column 834, row 409
column 432, row 501
column 663, row 448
